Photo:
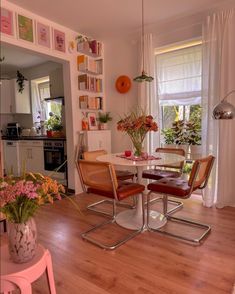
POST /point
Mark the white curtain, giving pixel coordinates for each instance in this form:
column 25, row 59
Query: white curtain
column 36, row 102
column 147, row 98
column 219, row 79
column 179, row 76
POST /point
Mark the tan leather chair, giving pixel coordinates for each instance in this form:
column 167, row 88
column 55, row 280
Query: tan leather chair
column 121, row 176
column 100, row 178
column 182, row 189
column 166, row 171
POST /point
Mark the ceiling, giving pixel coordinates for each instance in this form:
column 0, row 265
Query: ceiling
column 16, row 58
column 105, row 18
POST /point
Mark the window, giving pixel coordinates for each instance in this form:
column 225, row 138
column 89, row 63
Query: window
column 179, row 89
column 42, row 107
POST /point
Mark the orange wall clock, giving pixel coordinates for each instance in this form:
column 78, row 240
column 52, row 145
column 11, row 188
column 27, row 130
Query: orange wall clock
column 123, row 84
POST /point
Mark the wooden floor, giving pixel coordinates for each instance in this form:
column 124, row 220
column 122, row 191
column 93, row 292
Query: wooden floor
column 148, row 264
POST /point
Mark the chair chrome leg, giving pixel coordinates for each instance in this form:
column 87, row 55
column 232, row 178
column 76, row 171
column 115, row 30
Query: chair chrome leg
column 93, row 206
column 86, row 235
column 177, row 204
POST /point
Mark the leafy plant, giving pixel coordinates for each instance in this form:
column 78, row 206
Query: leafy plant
column 183, row 132
column 54, row 123
column 20, row 80
column 104, row 117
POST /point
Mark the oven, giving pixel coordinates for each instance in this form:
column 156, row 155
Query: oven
column 54, row 155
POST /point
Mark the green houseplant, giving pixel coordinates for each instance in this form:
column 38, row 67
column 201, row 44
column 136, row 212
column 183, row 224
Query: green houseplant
column 104, row 118
column 54, row 126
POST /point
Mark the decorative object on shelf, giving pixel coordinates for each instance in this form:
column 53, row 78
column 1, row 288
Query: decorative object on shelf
column 104, row 118
column 19, row 200
column 85, row 125
column 123, row 84
column 71, row 46
column 137, row 124
column 143, row 77
column 43, row 35
column 6, row 25
column 20, row 81
column 25, row 28
column 92, row 122
column 224, row 110
column 59, row 40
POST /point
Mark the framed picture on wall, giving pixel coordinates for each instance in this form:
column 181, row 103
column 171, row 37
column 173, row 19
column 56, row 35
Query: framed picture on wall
column 25, row 28
column 59, row 40
column 6, row 21
column 92, row 122
column 43, row 35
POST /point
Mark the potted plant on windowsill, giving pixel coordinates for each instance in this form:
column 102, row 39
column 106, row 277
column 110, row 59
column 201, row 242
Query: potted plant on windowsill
column 54, row 126
column 104, row 118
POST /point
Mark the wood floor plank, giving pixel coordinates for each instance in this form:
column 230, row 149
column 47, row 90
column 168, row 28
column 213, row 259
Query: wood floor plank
column 148, row 264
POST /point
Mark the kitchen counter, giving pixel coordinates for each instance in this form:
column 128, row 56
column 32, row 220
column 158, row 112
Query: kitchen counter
column 33, row 138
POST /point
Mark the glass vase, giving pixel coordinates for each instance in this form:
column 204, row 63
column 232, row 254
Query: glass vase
column 138, row 148
column 22, row 240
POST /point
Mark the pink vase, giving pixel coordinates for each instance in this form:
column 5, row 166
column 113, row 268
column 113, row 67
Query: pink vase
column 22, row 240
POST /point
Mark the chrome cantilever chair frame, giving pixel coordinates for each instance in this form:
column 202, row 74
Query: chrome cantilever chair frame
column 166, row 213
column 93, row 206
column 177, row 204
column 86, row 234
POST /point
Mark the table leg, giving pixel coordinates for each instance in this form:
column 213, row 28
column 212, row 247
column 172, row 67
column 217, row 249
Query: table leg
column 132, row 219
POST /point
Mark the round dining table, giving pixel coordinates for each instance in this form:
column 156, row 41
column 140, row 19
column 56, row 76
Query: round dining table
column 132, row 218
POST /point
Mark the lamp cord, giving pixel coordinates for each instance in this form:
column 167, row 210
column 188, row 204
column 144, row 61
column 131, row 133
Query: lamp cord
column 143, row 34
column 228, row 95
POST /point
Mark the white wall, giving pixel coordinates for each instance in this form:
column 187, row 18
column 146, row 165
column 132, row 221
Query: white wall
column 120, row 59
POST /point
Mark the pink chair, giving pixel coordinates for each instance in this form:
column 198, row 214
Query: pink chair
column 21, row 275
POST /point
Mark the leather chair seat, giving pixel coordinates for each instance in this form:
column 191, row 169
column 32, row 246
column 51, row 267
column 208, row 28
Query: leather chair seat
column 157, row 174
column 124, row 190
column 123, row 175
column 175, row 187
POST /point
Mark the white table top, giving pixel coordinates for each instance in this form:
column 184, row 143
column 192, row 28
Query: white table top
column 166, row 158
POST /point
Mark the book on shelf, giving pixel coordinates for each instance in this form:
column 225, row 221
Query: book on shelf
column 88, row 102
column 89, row 83
column 86, row 63
column 83, row 102
column 83, row 82
column 90, row 47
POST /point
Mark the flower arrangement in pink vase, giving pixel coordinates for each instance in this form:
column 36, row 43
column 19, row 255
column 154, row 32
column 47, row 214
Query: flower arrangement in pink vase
column 137, row 124
column 20, row 197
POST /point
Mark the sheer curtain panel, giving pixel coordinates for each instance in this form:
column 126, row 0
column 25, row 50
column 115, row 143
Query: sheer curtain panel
column 218, row 79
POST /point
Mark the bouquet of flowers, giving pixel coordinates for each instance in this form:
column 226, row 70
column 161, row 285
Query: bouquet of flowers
column 20, row 197
column 137, row 124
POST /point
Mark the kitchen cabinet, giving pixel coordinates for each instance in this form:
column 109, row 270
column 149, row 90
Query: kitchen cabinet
column 11, row 100
column 11, row 157
column 31, row 155
column 56, row 83
column 96, row 140
column 6, row 96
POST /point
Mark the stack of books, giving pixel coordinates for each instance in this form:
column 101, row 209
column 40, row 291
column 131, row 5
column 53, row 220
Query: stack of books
column 87, row 102
column 89, row 83
column 88, row 64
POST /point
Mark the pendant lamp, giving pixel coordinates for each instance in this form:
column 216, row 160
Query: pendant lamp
column 224, row 110
column 143, row 77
